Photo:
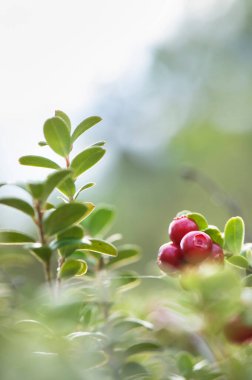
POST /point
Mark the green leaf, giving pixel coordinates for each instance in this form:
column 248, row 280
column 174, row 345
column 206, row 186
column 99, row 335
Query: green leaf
column 64, row 117
column 42, row 253
column 72, row 268
column 84, row 126
column 247, row 281
column 87, row 186
column 100, row 246
column 14, row 237
column 127, row 254
column 53, row 181
column 238, row 261
column 42, row 143
column 86, row 159
column 39, row 161
column 133, row 371
column 36, row 189
column 49, row 206
column 18, row 204
column 234, row 235
column 99, row 143
column 57, row 136
column 126, row 281
column 75, row 233
column 131, row 323
column 215, row 235
column 185, row 364
column 100, row 221
column 64, row 216
column 143, row 347
column 67, row 187
column 199, row 219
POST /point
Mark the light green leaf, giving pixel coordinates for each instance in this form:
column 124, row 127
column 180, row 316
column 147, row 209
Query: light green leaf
column 14, row 237
column 72, row 268
column 127, row 254
column 185, row 364
column 57, row 136
column 84, row 126
column 38, row 161
column 86, row 159
column 67, row 187
column 36, row 189
column 238, row 261
column 100, row 246
column 99, row 143
column 64, row 117
column 42, row 143
column 215, row 235
column 100, row 221
column 87, row 186
column 234, row 235
column 53, row 181
column 199, row 219
column 64, row 216
column 18, row 204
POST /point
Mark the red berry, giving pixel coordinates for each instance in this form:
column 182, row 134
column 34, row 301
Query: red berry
column 217, row 254
column 196, row 246
column 169, row 257
column 179, row 227
column 236, row 331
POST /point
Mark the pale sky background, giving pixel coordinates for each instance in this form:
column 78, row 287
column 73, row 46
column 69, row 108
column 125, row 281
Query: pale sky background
column 57, row 54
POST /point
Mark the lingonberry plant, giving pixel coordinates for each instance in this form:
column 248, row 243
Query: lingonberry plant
column 191, row 320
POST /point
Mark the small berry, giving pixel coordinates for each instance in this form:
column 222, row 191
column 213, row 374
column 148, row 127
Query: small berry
column 196, row 246
column 236, row 331
column 217, row 254
column 179, row 227
column 169, row 257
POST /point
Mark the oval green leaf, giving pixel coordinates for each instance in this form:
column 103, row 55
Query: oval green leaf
column 53, row 181
column 72, row 268
column 185, row 364
column 57, row 136
column 238, row 261
column 14, row 237
column 143, row 347
column 84, row 126
column 86, row 159
column 215, row 235
column 100, row 221
column 67, row 187
column 199, row 219
column 127, row 254
column 64, row 117
column 234, row 235
column 87, row 186
column 64, row 216
column 100, row 246
column 18, row 204
column 42, row 253
column 38, row 161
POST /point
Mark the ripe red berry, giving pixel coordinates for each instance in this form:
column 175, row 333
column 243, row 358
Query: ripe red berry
column 179, row 227
column 196, row 246
column 237, row 331
column 217, row 254
column 169, row 257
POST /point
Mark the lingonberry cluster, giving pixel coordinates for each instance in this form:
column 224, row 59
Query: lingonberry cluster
column 188, row 246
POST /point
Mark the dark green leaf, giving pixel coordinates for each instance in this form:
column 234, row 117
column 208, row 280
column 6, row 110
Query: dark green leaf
column 75, row 233
column 49, row 206
column 87, row 186
column 84, row 126
column 238, row 261
column 127, row 254
column 199, row 219
column 67, row 187
column 215, row 235
column 53, row 181
column 64, row 216
column 185, row 364
column 134, row 371
column 14, row 237
column 86, row 159
column 234, row 235
column 72, row 268
column 100, row 220
column 57, row 136
column 36, row 189
column 99, row 143
column 64, row 117
column 41, row 253
column 42, row 143
column 18, row 204
column 143, row 347
column 39, row 161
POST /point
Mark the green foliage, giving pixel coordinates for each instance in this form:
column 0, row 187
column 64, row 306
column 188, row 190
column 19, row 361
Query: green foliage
column 86, row 159
column 39, row 161
column 57, row 136
column 234, row 235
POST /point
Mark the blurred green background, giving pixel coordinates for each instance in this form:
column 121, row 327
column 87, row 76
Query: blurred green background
column 178, row 129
